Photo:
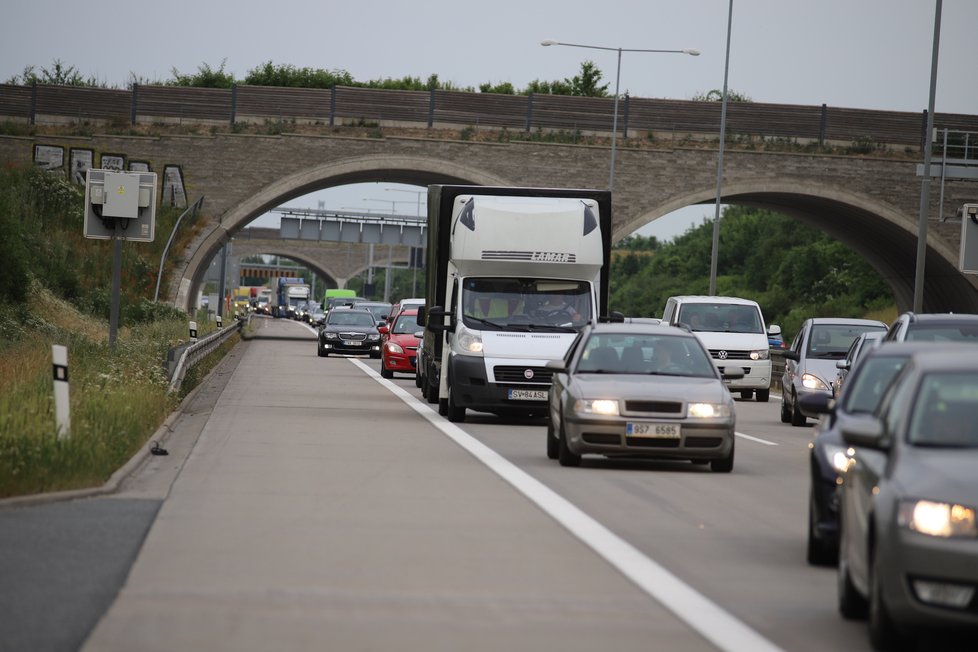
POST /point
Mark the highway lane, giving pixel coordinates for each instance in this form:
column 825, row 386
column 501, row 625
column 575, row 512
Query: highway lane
column 737, row 539
column 297, row 447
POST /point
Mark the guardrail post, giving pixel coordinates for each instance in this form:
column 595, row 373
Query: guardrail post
column 220, row 322
column 62, row 406
column 193, row 331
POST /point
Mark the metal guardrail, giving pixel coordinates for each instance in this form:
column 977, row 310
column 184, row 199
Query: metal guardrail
column 192, row 354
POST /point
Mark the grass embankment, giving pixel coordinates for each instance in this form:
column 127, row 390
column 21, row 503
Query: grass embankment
column 118, row 396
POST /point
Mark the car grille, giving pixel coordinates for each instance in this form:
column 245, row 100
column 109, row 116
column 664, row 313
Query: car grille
column 601, row 438
column 703, row 442
column 410, row 348
column 353, row 337
column 514, row 375
column 730, row 355
column 659, row 407
column 648, row 442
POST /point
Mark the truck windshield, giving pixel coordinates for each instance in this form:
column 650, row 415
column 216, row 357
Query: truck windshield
column 516, row 304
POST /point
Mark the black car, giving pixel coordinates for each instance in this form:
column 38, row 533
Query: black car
column 349, row 331
column 861, row 395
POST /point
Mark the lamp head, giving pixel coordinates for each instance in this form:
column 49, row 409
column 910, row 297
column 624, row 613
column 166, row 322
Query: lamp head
column 548, row 41
column 692, row 53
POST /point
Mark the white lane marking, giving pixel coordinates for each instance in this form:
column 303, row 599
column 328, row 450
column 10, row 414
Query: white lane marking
column 708, row 619
column 759, row 441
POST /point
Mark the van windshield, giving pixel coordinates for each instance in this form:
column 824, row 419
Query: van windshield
column 721, row 317
column 525, row 304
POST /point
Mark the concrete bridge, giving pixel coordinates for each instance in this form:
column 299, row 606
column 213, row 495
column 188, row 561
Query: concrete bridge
column 869, row 203
column 335, row 262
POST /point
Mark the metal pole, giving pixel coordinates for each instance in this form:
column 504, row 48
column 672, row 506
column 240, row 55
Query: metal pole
column 614, row 126
column 116, row 283
column 714, row 255
column 918, row 288
column 224, row 277
column 197, row 204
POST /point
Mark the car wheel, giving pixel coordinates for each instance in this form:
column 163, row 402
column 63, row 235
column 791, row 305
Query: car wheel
column 552, row 443
column 747, row 394
column 375, row 356
column 818, row 553
column 852, row 605
column 724, row 464
column 385, row 372
column 763, row 395
column 565, row 455
column 418, row 380
column 455, row 413
column 320, row 351
column 797, row 418
column 785, row 412
column 883, row 634
column 424, row 387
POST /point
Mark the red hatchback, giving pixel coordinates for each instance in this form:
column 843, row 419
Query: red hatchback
column 399, row 351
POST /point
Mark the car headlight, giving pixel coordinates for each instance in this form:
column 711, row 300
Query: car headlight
column 709, row 410
column 938, row 519
column 602, row 406
column 468, row 342
column 330, row 335
column 373, row 337
column 393, row 347
column 811, row 381
column 763, row 354
column 836, row 456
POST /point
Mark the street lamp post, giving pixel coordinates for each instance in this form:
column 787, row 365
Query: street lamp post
column 714, row 252
column 614, row 122
column 418, row 193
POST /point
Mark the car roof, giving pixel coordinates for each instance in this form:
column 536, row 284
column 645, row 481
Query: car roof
column 907, row 349
column 639, row 329
column 942, row 317
column 845, row 321
column 703, row 298
column 946, row 358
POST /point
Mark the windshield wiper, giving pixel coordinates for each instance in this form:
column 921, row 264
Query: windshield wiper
column 485, row 321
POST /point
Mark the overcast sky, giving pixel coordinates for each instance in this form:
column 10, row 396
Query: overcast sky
column 873, row 54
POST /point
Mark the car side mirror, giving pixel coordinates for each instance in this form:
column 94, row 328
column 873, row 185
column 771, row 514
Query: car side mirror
column 791, row 355
column 842, row 364
column 865, row 431
column 556, row 366
column 818, row 403
column 774, row 329
column 419, row 334
column 383, row 328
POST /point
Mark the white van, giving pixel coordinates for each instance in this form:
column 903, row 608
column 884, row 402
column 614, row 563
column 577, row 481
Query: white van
column 732, row 329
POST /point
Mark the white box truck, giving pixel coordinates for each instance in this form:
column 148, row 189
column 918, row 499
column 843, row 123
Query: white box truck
column 512, row 276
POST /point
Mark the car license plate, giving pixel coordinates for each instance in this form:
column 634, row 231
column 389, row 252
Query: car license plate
column 353, row 343
column 528, row 395
column 660, row 430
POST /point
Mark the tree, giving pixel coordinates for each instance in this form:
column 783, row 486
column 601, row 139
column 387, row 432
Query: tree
column 586, row 83
column 716, row 95
column 59, row 74
column 206, row 77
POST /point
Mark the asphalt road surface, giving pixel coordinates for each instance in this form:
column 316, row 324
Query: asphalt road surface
column 309, row 504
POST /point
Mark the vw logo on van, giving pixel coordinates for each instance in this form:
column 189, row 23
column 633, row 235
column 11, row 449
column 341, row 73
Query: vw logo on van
column 528, row 374
column 722, row 355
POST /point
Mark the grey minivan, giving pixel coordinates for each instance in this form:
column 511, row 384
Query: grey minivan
column 810, row 363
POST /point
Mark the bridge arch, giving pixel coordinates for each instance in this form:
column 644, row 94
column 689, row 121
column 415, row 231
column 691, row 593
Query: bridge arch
column 874, row 229
column 412, row 170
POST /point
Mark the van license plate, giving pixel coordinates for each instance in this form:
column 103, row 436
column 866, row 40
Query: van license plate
column 527, row 395
column 659, row 430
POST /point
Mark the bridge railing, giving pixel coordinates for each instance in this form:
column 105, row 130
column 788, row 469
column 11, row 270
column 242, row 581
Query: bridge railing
column 148, row 104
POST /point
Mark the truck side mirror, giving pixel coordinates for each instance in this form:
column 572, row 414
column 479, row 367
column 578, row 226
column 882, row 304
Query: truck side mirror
column 436, row 319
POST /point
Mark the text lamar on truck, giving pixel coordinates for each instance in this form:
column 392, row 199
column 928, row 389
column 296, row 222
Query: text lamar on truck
column 513, row 275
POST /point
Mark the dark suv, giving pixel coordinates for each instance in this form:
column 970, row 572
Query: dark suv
column 934, row 327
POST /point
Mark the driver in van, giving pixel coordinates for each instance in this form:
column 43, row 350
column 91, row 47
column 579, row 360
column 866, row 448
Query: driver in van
column 557, row 305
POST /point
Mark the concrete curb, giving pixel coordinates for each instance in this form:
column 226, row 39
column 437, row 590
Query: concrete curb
column 115, row 480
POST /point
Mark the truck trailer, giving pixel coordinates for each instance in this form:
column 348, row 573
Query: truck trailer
column 513, row 274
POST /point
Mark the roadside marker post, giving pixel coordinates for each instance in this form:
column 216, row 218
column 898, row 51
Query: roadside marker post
column 62, row 408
